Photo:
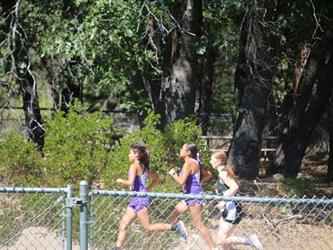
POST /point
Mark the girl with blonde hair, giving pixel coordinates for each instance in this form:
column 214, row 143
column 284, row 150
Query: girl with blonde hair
column 232, row 211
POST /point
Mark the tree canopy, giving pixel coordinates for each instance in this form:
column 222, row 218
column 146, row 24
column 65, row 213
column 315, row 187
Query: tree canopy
column 266, row 63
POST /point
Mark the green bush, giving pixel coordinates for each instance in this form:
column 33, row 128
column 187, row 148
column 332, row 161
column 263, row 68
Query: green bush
column 164, row 150
column 119, row 164
column 76, row 146
column 183, row 131
column 176, row 134
column 20, row 161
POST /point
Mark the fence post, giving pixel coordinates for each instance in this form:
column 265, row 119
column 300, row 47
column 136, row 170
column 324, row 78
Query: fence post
column 69, row 219
column 83, row 216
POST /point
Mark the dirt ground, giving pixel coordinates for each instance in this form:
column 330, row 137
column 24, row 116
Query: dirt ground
column 38, row 238
column 302, row 237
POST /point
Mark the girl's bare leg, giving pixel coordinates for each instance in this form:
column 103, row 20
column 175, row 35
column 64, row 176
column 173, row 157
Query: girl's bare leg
column 180, row 208
column 125, row 221
column 143, row 216
column 196, row 212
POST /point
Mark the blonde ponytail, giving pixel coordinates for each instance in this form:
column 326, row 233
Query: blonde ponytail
column 222, row 156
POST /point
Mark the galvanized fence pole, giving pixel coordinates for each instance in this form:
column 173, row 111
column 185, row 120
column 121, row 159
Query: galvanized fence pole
column 69, row 219
column 83, row 215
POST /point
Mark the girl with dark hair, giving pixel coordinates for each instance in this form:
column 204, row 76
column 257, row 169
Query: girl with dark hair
column 138, row 207
column 190, row 178
column 232, row 211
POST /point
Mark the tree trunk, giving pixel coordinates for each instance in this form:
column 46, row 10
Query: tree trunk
column 205, row 90
column 330, row 159
column 24, row 75
column 314, row 91
column 180, row 80
column 253, row 78
column 69, row 92
column 31, row 109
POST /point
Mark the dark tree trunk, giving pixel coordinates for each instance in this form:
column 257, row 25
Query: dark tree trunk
column 180, row 79
column 253, row 78
column 31, row 109
column 69, row 92
column 314, row 91
column 62, row 96
column 330, row 159
column 24, row 75
column 205, row 90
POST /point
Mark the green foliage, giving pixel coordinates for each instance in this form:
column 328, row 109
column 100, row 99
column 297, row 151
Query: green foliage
column 20, row 161
column 150, row 136
column 298, row 187
column 97, row 43
column 79, row 147
column 164, row 150
column 180, row 132
column 76, row 146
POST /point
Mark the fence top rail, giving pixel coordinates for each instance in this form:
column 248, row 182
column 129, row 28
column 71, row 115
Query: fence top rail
column 323, row 200
column 229, row 137
column 32, row 190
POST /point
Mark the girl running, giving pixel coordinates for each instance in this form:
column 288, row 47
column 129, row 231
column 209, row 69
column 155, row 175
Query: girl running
column 138, row 207
column 191, row 175
column 232, row 210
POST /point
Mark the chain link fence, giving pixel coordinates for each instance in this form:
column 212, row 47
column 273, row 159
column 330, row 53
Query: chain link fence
column 32, row 218
column 279, row 223
column 42, row 218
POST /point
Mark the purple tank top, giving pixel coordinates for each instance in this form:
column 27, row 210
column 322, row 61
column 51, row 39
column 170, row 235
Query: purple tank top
column 140, row 182
column 192, row 185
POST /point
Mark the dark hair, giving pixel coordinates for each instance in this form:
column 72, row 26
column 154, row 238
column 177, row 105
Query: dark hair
column 143, row 154
column 193, row 150
column 194, row 153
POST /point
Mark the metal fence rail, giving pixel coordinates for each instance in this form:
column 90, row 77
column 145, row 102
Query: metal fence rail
column 280, row 223
column 34, row 218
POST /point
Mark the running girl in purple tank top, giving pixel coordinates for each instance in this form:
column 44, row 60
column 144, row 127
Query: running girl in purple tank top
column 190, row 178
column 138, row 207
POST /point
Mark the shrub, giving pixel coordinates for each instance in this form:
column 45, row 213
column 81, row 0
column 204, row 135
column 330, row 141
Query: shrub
column 150, row 136
column 76, row 146
column 20, row 161
column 164, row 150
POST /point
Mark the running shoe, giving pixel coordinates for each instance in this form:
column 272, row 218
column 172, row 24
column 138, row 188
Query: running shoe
column 180, row 229
column 256, row 242
column 115, row 248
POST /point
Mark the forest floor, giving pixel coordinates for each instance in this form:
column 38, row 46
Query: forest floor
column 312, row 170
